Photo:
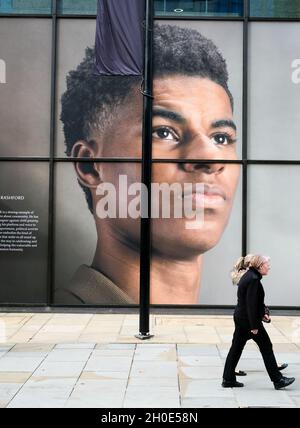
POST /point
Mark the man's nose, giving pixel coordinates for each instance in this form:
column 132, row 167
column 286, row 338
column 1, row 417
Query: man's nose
column 206, row 168
column 202, row 148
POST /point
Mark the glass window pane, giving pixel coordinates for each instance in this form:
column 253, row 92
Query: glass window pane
column 79, row 105
column 192, row 256
column 79, row 7
column 165, row 7
column 275, row 8
column 23, row 232
column 274, row 229
column 201, row 103
column 274, row 89
column 25, row 6
column 97, row 256
column 199, row 7
column 25, row 86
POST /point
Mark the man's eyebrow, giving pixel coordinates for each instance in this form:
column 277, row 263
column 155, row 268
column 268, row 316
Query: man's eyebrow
column 168, row 114
column 224, row 123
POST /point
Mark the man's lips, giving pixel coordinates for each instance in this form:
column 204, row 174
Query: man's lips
column 205, row 195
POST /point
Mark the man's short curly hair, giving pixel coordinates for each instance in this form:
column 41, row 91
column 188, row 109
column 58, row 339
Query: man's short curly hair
column 90, row 101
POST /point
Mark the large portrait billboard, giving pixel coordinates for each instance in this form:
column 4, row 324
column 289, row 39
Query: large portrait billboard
column 197, row 117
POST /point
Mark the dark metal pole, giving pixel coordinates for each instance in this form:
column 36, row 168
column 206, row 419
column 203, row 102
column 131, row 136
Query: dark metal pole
column 245, row 127
column 145, row 239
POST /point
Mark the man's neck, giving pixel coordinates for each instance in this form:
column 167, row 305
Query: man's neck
column 175, row 281
column 172, row 281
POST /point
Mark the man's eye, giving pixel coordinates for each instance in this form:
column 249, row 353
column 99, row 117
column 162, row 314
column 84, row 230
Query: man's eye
column 165, row 134
column 223, row 139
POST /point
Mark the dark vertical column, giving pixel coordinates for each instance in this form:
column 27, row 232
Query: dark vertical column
column 145, row 239
column 245, row 127
column 50, row 285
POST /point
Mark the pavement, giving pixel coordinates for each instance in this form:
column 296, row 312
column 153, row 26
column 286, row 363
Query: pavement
column 76, row 360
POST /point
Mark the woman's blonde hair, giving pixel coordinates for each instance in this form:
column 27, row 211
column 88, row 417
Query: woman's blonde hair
column 243, row 263
column 257, row 260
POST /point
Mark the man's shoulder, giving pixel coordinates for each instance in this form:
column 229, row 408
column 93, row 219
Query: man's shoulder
column 91, row 287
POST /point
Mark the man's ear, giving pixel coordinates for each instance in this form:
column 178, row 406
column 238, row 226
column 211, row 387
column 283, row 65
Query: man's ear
column 87, row 172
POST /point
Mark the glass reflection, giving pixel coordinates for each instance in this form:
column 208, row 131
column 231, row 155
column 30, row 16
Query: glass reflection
column 275, row 8
column 164, row 7
column 77, row 7
column 25, row 6
column 199, row 7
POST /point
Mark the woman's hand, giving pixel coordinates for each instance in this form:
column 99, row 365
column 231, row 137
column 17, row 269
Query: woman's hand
column 254, row 331
column 266, row 318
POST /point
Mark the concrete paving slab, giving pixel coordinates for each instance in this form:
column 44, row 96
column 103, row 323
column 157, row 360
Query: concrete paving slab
column 155, row 354
column 113, row 353
column 155, row 369
column 201, row 373
column 151, row 397
column 185, row 350
column 110, row 364
column 204, row 388
column 32, row 347
column 75, row 346
column 200, row 361
column 116, row 346
column 15, row 364
column 156, row 382
column 262, row 398
column 69, row 355
column 36, row 401
column 9, row 390
column 209, row 402
column 97, row 394
column 48, row 383
column 14, row 377
column 64, row 369
column 104, row 375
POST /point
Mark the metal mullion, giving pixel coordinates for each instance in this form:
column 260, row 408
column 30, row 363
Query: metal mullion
column 161, row 18
column 23, row 159
column 272, row 19
column 50, row 273
column 273, row 162
column 139, row 160
column 99, row 159
column 198, row 161
column 198, row 18
column 20, row 15
column 79, row 16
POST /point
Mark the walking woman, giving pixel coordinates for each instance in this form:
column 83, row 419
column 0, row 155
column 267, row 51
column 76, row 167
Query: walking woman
column 248, row 316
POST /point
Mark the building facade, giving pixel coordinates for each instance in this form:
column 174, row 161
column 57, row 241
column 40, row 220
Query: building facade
column 47, row 230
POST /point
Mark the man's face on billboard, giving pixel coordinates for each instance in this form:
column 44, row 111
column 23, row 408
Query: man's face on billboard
column 192, row 119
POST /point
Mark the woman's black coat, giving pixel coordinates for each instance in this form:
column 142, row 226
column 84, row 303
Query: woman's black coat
column 250, row 308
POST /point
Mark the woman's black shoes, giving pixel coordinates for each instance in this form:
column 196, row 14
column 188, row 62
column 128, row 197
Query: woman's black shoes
column 231, row 384
column 282, row 366
column 284, row 382
column 241, row 373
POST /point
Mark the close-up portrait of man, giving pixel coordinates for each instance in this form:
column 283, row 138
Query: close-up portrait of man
column 192, row 120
